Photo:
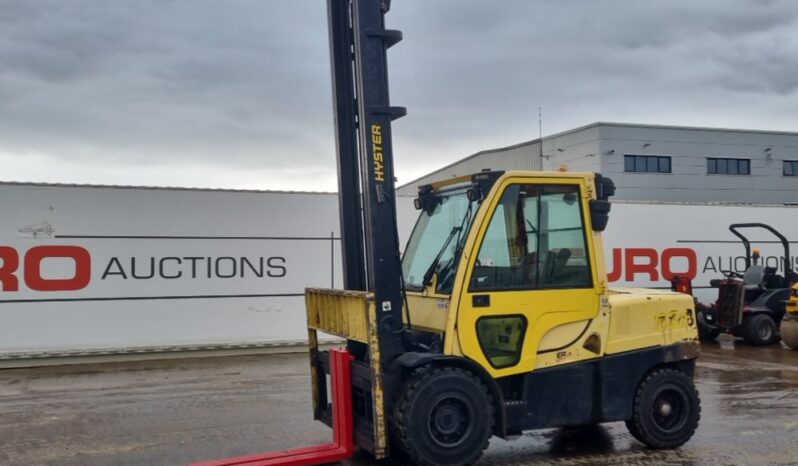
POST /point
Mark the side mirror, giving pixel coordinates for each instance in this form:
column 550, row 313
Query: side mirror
column 426, row 200
column 600, row 208
column 605, row 187
column 599, row 213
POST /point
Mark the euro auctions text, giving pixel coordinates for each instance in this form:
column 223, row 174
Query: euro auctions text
column 28, row 268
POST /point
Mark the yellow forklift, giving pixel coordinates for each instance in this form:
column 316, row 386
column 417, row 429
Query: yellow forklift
column 498, row 319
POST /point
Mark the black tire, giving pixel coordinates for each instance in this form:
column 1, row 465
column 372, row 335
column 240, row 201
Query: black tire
column 760, row 330
column 444, row 417
column 706, row 333
column 666, row 409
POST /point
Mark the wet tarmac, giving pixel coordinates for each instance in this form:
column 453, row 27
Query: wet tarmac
column 174, row 412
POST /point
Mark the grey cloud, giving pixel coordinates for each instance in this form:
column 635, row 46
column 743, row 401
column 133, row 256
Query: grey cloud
column 242, row 86
column 159, row 81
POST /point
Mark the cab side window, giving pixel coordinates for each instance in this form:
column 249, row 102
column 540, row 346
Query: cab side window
column 535, row 240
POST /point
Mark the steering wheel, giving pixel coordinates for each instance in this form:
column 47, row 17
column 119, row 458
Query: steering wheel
column 731, row 274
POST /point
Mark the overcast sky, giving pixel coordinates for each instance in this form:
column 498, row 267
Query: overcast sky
column 236, row 93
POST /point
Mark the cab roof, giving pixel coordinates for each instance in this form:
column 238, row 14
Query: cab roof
column 494, row 175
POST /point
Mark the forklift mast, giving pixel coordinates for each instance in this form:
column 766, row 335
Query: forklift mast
column 363, row 115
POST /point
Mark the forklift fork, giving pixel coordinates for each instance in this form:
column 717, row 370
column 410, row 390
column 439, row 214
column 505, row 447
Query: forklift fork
column 342, row 446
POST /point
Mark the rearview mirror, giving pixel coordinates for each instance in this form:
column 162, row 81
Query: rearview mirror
column 599, row 214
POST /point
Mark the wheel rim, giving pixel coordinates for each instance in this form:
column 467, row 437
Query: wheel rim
column 450, row 421
column 670, row 409
column 764, row 330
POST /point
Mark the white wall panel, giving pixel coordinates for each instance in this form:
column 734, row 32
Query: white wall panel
column 184, row 305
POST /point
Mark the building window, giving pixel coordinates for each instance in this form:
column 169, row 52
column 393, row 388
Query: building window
column 728, row 166
column 646, row 164
column 791, row 168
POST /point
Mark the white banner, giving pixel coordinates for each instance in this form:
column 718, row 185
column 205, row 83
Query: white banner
column 89, row 269
column 647, row 243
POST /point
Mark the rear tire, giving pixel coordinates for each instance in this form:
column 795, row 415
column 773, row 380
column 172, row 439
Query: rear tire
column 444, row 417
column 760, row 330
column 666, row 409
column 789, row 332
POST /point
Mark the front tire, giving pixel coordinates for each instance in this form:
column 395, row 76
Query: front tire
column 760, row 330
column 666, row 409
column 444, row 417
column 707, row 333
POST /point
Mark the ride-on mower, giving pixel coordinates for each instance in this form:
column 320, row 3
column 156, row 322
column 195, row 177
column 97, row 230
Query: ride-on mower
column 499, row 317
column 751, row 304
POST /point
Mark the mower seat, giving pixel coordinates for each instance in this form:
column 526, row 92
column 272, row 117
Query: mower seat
column 754, row 278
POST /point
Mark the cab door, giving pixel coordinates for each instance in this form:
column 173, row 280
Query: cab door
column 530, row 285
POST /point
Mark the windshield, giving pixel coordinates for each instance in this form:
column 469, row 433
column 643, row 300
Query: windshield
column 437, row 240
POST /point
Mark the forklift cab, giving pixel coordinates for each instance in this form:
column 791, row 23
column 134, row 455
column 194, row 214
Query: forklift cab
column 488, row 276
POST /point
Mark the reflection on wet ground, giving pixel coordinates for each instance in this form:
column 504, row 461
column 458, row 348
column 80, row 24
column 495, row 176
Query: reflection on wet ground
column 172, row 412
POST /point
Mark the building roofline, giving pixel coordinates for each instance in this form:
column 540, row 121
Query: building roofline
column 689, row 128
column 599, row 124
column 574, row 130
column 675, row 127
column 472, row 156
column 154, row 188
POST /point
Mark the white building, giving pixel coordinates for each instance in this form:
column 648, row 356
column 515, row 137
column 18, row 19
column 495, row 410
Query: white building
column 657, row 163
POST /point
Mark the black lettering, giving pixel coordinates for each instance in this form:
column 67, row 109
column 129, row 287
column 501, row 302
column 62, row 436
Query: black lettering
column 193, row 260
column 142, row 277
column 279, row 270
column 234, row 267
column 709, row 265
column 163, row 274
column 739, row 264
column 119, row 270
column 258, row 272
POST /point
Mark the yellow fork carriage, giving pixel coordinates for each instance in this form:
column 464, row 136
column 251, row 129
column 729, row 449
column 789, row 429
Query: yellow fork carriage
column 350, row 315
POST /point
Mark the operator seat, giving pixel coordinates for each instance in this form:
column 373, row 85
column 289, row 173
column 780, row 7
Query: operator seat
column 559, row 263
column 554, row 265
column 754, row 278
column 528, row 272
